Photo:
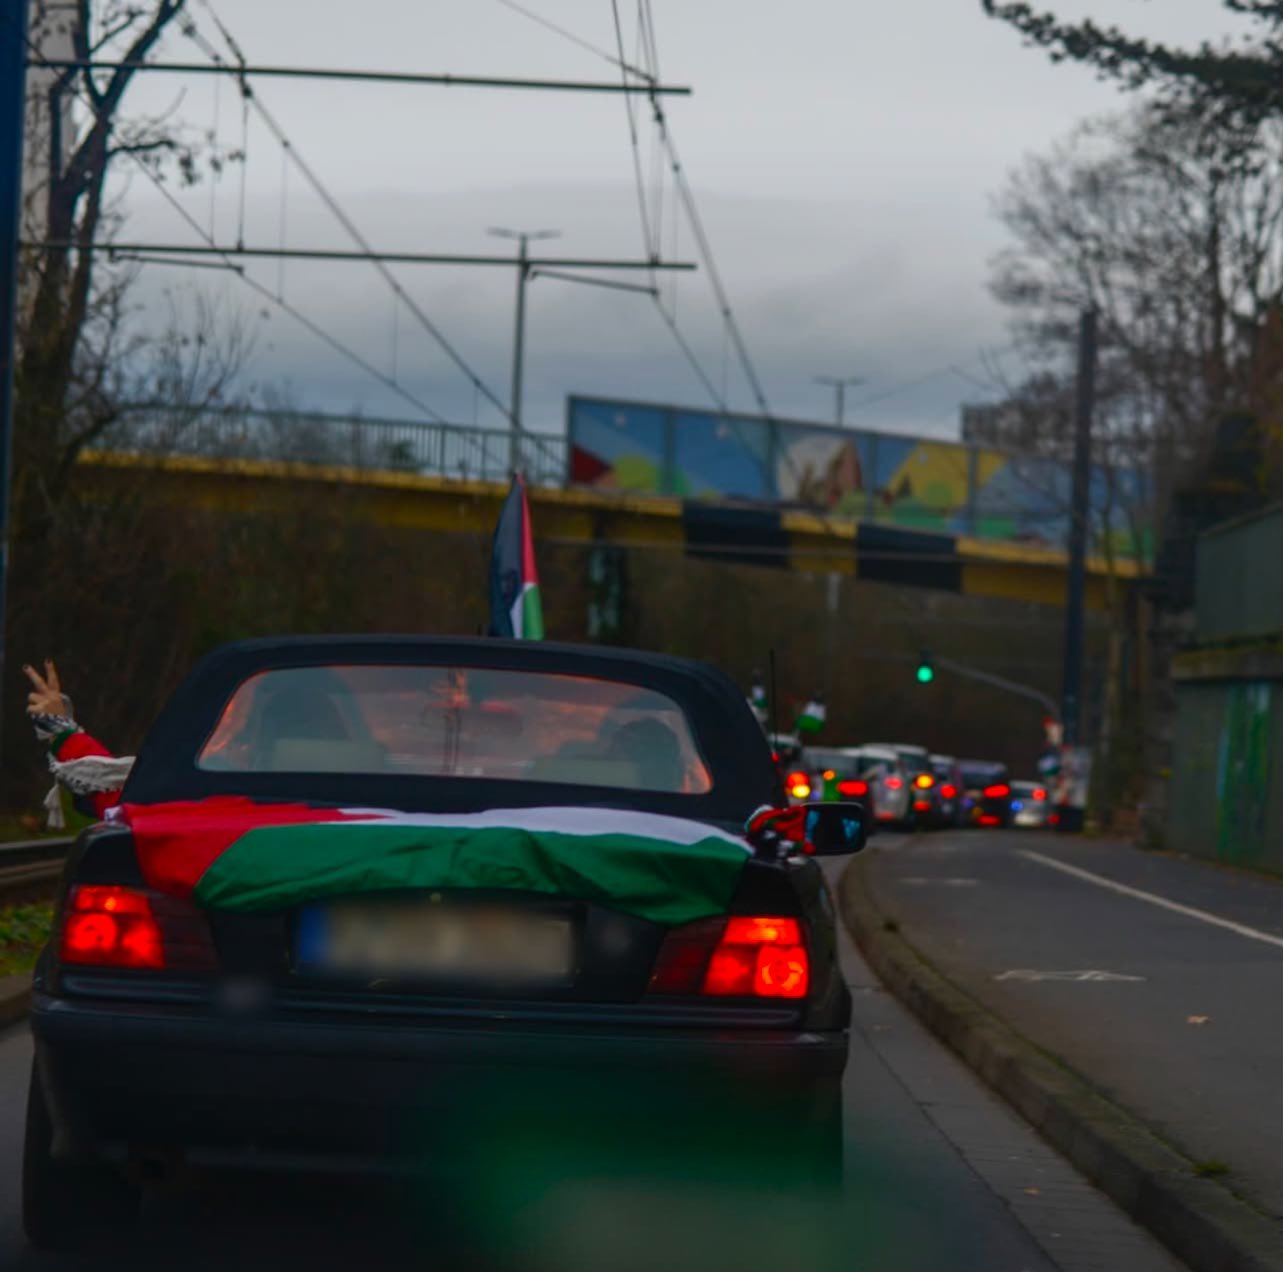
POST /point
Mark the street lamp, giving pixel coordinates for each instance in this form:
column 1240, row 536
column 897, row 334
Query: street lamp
column 523, row 237
column 839, row 384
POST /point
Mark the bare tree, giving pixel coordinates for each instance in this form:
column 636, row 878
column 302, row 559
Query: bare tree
column 1177, row 245
column 73, row 338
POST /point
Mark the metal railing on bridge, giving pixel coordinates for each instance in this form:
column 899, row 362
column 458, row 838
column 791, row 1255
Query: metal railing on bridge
column 305, row 437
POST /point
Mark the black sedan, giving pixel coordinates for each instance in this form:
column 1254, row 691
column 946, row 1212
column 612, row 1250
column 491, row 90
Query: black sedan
column 987, row 793
column 375, row 901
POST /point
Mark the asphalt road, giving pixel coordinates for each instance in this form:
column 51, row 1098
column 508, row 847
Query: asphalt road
column 1181, row 1022
column 940, row 1176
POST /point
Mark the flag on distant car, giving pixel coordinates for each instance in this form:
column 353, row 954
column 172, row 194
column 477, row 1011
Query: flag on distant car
column 515, row 609
column 811, row 717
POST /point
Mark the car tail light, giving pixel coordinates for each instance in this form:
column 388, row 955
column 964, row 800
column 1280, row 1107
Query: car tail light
column 922, row 805
column 853, row 788
column 798, row 785
column 1039, row 793
column 1001, row 790
column 948, row 791
column 106, row 925
column 989, row 819
column 892, row 783
column 750, row 957
column 828, row 775
column 924, row 781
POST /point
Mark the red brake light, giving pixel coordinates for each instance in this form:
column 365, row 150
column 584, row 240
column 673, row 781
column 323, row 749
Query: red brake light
column 761, row 956
column 988, row 819
column 1001, row 790
column 760, row 931
column 924, row 781
column 922, row 805
column 111, row 927
column 798, row 784
column 1039, row 793
column 853, row 788
column 731, row 970
column 892, row 783
column 948, row 791
column 106, row 925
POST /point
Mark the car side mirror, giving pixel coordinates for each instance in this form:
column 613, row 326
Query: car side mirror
column 830, row 829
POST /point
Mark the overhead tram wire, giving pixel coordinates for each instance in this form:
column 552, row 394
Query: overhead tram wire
column 648, row 238
column 229, row 263
column 337, row 211
column 540, row 20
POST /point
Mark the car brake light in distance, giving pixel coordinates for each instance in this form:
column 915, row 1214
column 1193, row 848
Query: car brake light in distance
column 853, row 788
column 948, row 791
column 922, row 805
column 924, row 781
column 989, row 819
column 798, row 785
column 892, row 783
column 110, row 926
column 1039, row 793
column 1000, row 790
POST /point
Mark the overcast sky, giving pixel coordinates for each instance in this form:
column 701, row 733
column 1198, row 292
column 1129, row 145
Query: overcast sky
column 843, row 154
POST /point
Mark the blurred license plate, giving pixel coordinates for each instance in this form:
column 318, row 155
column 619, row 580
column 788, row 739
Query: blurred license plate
column 434, row 941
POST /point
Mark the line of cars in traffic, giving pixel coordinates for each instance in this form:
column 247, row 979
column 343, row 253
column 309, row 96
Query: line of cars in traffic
column 909, row 787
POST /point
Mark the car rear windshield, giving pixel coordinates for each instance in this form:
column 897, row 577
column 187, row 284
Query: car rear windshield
column 825, row 758
column 981, row 774
column 468, row 722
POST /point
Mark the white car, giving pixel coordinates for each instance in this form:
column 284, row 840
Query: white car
column 1031, row 805
column 890, row 788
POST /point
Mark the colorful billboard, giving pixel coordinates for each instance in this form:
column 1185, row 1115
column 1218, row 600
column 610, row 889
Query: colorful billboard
column 882, row 477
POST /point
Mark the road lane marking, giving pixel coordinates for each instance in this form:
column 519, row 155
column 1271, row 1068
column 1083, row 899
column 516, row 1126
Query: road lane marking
column 1028, row 974
column 944, row 882
column 1123, row 889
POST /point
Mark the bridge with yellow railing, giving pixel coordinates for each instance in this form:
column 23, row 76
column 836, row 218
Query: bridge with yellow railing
column 450, row 479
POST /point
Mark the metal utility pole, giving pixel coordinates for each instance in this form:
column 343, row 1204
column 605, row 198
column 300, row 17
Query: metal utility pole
column 519, row 334
column 13, row 86
column 839, row 385
column 1072, row 669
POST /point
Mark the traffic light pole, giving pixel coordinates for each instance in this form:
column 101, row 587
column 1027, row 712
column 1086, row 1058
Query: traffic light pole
column 1072, row 669
column 998, row 682
column 13, row 80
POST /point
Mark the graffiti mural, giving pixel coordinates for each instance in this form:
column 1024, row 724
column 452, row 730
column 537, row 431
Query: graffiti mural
column 916, row 483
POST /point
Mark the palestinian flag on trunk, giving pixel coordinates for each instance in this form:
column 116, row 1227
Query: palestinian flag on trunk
column 515, row 609
column 229, row 853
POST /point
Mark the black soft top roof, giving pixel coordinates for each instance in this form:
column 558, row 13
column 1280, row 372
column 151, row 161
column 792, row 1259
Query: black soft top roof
column 729, row 737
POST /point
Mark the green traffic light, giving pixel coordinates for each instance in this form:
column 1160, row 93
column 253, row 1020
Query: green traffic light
column 925, row 674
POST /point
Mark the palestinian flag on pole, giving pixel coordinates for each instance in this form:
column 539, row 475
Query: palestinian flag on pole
column 812, row 716
column 515, row 609
column 229, row 853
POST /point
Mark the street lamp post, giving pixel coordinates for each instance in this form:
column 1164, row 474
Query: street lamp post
column 519, row 334
column 839, row 385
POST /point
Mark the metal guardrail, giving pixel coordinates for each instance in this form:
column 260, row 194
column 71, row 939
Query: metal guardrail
column 377, row 444
column 31, row 867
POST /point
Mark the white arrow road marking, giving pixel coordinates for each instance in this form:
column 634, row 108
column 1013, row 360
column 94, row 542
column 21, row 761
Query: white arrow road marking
column 1028, row 974
column 1189, row 911
column 945, row 883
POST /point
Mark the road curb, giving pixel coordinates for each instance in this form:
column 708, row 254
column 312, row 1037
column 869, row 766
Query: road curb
column 1203, row 1223
column 15, row 998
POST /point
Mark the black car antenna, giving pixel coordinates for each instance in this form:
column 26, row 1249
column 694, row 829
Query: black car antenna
column 774, row 723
